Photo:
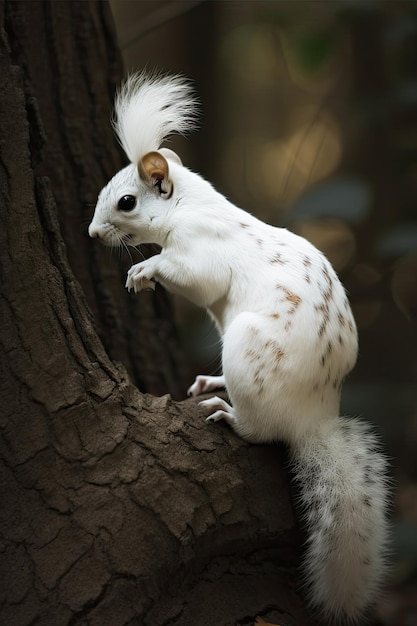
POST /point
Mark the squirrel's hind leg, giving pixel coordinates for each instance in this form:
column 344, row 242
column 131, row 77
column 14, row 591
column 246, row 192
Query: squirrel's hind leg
column 221, row 411
column 224, row 411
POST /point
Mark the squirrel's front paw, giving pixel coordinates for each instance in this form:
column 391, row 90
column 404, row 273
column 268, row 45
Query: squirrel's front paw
column 139, row 277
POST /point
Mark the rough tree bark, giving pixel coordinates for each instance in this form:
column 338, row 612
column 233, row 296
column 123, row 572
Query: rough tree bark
column 116, row 507
column 70, row 67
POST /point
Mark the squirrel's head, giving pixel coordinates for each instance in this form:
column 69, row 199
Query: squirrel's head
column 132, row 208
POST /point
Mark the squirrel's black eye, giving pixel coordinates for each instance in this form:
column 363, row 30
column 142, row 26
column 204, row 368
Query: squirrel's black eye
column 127, row 203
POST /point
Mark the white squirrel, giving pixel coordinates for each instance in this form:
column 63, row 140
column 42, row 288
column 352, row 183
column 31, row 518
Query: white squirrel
column 288, row 334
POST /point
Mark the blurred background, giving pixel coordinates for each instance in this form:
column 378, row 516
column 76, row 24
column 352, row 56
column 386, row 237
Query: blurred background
column 309, row 121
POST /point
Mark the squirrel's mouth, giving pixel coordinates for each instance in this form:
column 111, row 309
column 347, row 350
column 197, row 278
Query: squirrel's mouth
column 110, row 236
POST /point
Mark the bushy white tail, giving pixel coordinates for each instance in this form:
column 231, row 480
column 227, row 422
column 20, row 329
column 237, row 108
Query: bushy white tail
column 149, row 108
column 343, row 495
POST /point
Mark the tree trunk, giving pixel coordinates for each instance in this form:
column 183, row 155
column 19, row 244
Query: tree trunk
column 70, row 67
column 116, row 507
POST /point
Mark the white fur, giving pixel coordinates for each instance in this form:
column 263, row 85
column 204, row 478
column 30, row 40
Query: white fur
column 149, row 109
column 289, row 340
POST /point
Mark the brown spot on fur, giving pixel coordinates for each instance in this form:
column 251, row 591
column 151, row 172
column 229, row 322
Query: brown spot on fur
column 289, row 295
column 242, row 225
column 276, row 349
column 326, row 274
column 327, row 293
column 324, row 310
column 307, row 261
column 277, row 259
column 278, row 354
column 295, row 300
column 291, row 298
column 341, row 318
column 252, row 355
column 322, row 328
column 275, row 316
column 259, row 380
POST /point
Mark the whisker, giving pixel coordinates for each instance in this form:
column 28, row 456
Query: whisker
column 126, row 248
column 139, row 251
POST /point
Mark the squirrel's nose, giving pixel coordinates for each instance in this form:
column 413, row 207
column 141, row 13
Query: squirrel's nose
column 93, row 231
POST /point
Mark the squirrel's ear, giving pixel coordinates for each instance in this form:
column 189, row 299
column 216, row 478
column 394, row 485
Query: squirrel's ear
column 170, row 154
column 154, row 171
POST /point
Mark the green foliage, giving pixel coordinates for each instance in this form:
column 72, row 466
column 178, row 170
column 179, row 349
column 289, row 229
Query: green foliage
column 313, row 49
